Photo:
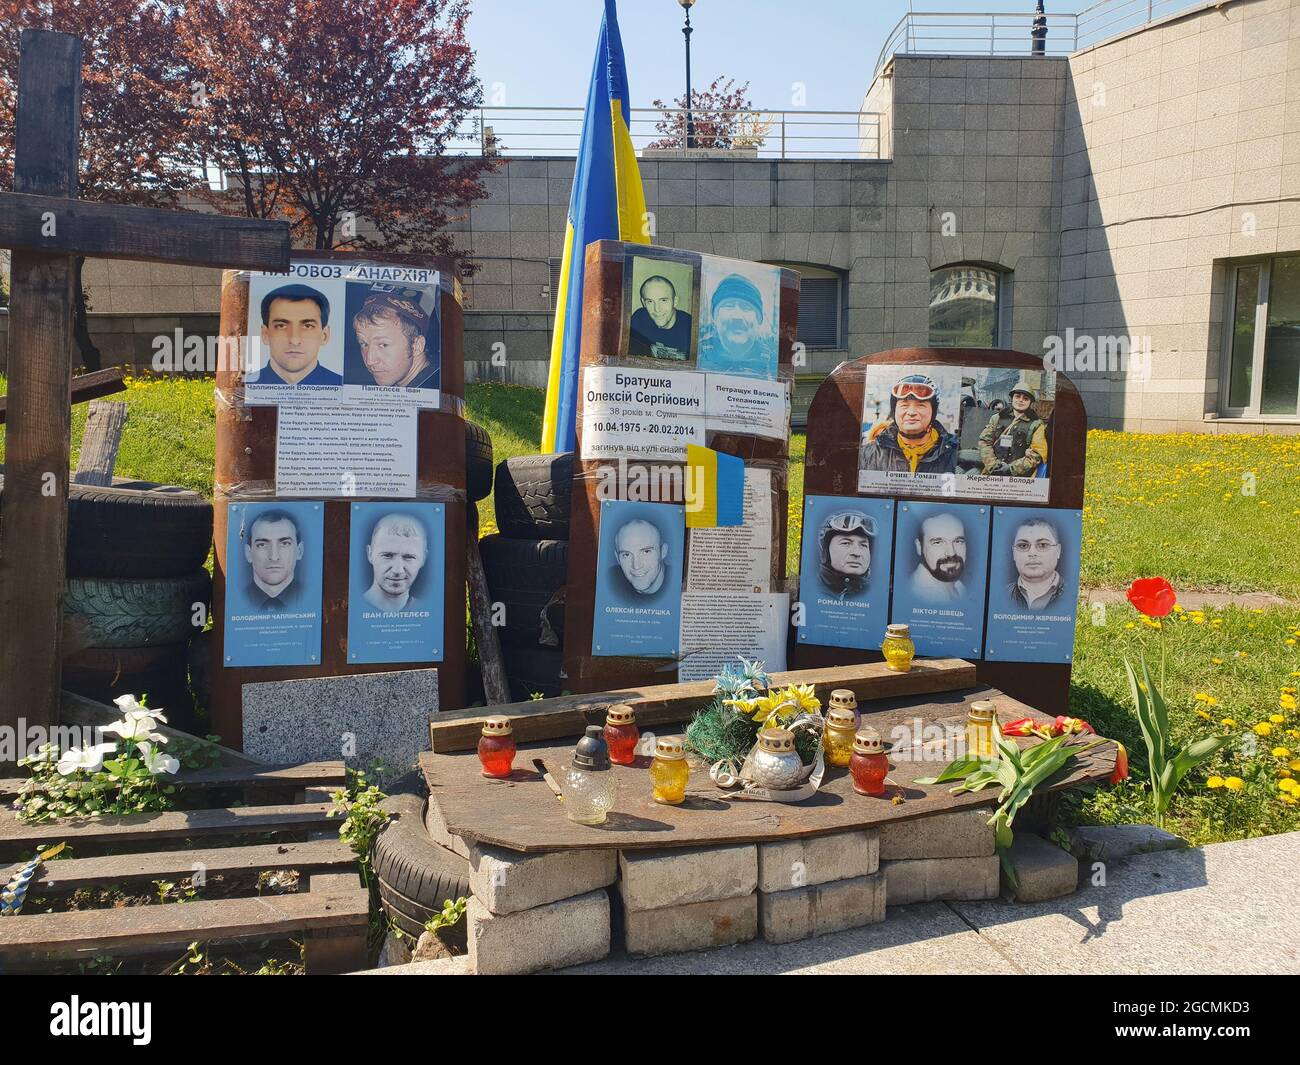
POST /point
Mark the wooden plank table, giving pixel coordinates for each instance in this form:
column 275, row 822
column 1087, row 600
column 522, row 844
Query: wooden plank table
column 521, row 813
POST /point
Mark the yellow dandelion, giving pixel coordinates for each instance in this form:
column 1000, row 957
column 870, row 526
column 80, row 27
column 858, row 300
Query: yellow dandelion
column 1203, row 715
column 1289, row 799
column 1288, row 785
column 1229, row 722
column 1263, row 728
column 1277, row 719
column 1280, row 752
column 1234, row 784
column 1214, row 782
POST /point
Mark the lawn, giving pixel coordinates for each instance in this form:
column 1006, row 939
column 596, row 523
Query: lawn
column 1208, row 512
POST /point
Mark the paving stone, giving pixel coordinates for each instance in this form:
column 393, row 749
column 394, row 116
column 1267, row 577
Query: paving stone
column 1110, row 843
column 651, row 879
column 962, row 834
column 439, row 833
column 568, row 932
column 931, row 879
column 801, row 913
column 509, row 881
column 693, row 926
column 794, row 863
column 1043, row 870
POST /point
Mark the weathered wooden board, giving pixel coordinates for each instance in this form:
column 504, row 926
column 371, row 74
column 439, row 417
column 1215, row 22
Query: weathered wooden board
column 545, row 719
column 73, row 873
column 287, row 776
column 86, row 387
column 182, row 922
column 172, row 824
column 521, row 813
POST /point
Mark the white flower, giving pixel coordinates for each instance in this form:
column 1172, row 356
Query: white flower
column 135, row 728
column 131, row 709
column 88, row 758
column 156, row 761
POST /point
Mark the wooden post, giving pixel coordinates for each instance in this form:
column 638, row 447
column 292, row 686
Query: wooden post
column 486, row 638
column 99, row 444
column 33, row 534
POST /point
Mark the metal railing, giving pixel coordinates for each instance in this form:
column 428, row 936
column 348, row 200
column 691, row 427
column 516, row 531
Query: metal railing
column 795, row 134
column 1011, row 33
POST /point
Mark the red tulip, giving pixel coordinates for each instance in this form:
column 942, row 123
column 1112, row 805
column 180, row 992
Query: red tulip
column 1121, row 764
column 1153, row 596
column 1069, row 726
column 1023, row 727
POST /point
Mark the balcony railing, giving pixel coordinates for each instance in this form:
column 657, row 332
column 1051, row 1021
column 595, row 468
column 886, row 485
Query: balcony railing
column 1011, row 33
column 796, row 134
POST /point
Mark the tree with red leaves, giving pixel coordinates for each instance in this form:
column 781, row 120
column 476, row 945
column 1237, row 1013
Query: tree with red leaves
column 335, row 115
column 723, row 117
column 130, row 129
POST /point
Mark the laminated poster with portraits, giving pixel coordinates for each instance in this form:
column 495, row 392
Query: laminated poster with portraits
column 966, row 432
column 702, row 336
column 940, row 576
column 1033, row 584
column 274, row 562
column 349, row 352
column 639, row 579
column 396, row 555
column 844, row 571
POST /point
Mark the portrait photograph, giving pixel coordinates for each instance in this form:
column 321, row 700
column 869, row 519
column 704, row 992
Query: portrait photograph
column 295, row 337
column 844, row 570
column 659, row 302
column 274, row 558
column 1033, row 584
column 940, row 575
column 739, row 317
column 1006, row 422
column 910, row 413
column 392, row 335
column 640, row 567
column 395, row 582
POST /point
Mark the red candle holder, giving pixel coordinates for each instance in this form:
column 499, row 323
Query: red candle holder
column 621, row 734
column 496, row 747
column 869, row 764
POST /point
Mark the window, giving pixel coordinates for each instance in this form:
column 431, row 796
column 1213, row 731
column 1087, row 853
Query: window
column 966, row 302
column 1262, row 357
column 821, row 306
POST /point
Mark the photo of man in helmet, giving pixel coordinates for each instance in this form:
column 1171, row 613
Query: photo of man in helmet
column 1014, row 443
column 911, row 439
column 844, row 542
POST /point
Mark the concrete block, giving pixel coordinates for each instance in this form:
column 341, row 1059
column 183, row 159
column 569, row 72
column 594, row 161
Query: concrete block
column 651, row 879
column 1043, row 870
column 962, row 834
column 562, row 933
column 440, row 834
column 931, row 879
column 1109, row 843
column 694, row 926
column 802, row 913
column 795, row 863
column 509, row 881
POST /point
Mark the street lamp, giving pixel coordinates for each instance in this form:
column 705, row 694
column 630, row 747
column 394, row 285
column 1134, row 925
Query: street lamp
column 686, row 32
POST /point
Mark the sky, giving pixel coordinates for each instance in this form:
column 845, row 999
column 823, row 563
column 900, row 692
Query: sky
column 538, row 53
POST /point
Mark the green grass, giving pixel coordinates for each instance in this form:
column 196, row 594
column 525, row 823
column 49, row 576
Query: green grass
column 1168, row 505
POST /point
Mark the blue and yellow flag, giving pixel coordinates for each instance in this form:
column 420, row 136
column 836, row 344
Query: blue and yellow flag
column 607, row 203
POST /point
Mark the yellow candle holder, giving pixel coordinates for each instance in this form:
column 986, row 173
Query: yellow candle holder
column 669, row 771
column 979, row 729
column 837, row 739
column 898, row 648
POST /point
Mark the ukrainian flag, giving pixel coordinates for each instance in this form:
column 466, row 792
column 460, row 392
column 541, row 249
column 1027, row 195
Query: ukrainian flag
column 607, row 203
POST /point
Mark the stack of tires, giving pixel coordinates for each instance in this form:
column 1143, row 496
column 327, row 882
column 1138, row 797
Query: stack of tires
column 527, row 566
column 137, row 593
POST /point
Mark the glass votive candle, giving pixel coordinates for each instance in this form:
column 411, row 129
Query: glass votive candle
column 869, row 764
column 898, row 648
column 843, row 699
column 669, row 771
column 837, row 740
column 496, row 746
column 979, row 729
column 621, row 734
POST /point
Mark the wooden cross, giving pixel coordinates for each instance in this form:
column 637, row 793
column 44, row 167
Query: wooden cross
column 46, row 226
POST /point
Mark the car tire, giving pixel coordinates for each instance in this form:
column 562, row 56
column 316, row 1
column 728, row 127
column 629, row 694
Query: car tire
column 478, row 462
column 525, row 576
column 136, row 529
column 534, row 671
column 532, row 495
column 416, row 876
column 118, row 612
column 104, row 673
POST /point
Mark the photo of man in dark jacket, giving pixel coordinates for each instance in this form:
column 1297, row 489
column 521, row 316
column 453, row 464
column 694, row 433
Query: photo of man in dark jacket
column 911, row 439
column 845, row 540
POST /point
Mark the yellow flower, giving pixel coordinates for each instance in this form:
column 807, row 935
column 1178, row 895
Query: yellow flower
column 1290, row 800
column 1130, row 625
column 1263, row 729
column 804, row 697
column 1294, row 764
column 1234, row 784
column 1201, row 697
column 1288, row 785
column 1203, row 715
column 1284, row 773
column 1281, row 752
column 1229, row 722
column 1287, row 702
column 1214, row 782
column 1217, row 661
column 1277, row 719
